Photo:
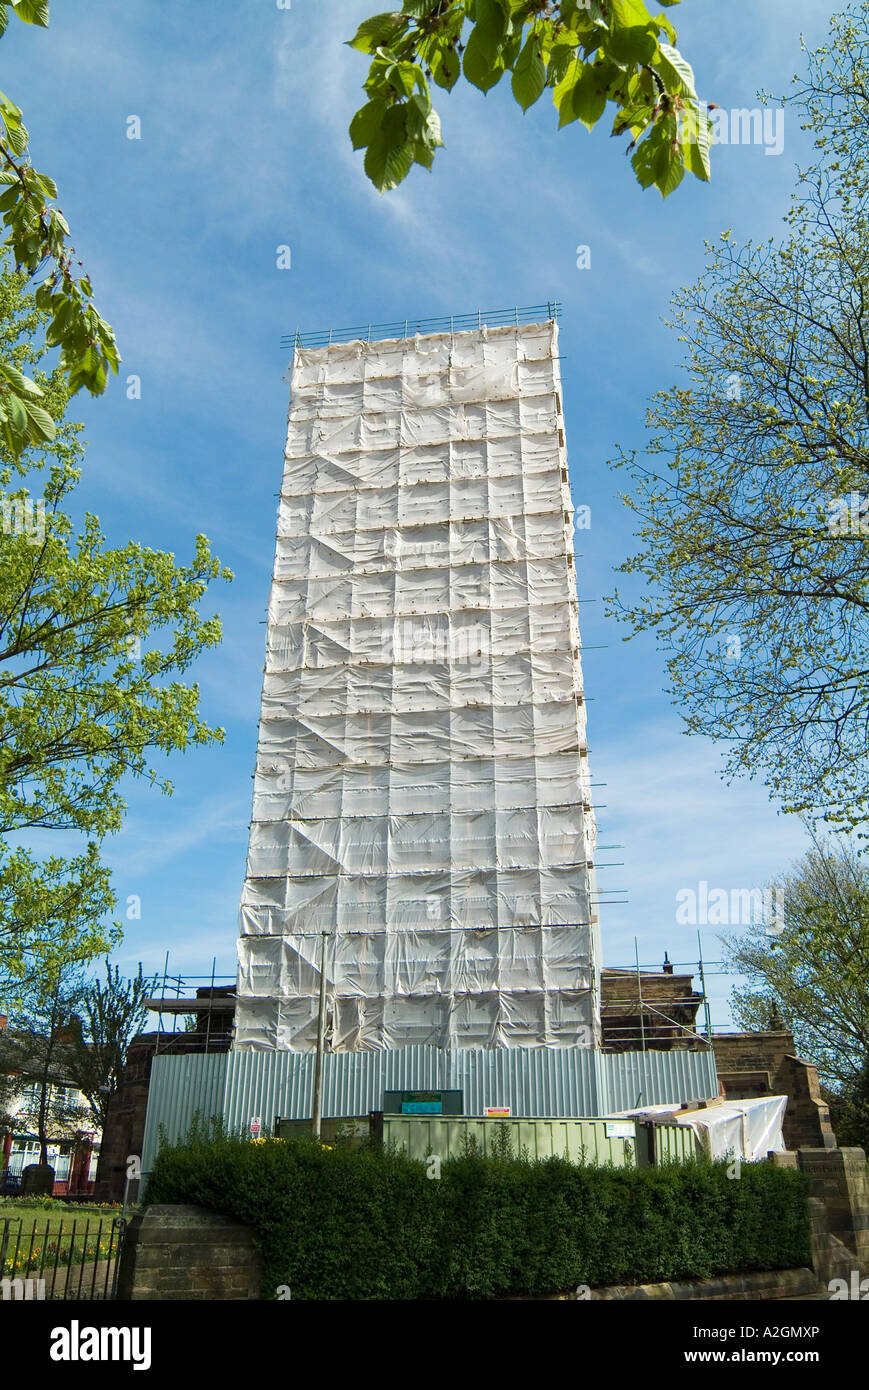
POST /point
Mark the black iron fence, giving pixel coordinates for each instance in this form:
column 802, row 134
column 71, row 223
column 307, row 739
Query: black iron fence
column 56, row 1258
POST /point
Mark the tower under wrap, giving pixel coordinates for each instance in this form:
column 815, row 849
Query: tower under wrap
column 422, row 786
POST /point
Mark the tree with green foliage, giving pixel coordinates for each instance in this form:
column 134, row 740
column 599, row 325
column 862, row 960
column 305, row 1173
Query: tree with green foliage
column 752, row 506
column 812, row 976
column 94, row 641
column 38, row 235
column 590, row 54
column 112, row 1014
column 849, row 1113
column 50, row 915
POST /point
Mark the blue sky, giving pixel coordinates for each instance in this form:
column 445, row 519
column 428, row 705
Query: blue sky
column 244, row 109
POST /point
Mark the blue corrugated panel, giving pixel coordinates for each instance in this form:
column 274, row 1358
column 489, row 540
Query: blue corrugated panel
column 179, row 1087
column 656, row 1078
column 578, row 1083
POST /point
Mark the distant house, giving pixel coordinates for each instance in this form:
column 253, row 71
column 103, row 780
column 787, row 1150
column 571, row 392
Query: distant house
column 74, row 1141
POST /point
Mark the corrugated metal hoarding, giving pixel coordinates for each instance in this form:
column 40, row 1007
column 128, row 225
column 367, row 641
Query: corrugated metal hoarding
column 536, row 1081
column 659, row 1077
column 181, row 1086
column 540, row 1082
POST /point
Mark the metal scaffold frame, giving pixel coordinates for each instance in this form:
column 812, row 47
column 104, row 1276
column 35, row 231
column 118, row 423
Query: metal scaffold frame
column 406, row 328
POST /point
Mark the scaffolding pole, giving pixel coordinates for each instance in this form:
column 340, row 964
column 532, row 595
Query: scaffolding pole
column 317, row 1107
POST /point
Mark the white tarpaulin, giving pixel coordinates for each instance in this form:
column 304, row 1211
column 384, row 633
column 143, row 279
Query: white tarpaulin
column 748, row 1129
column 422, row 789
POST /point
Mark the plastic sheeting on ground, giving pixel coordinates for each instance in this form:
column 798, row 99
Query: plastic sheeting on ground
column 422, row 791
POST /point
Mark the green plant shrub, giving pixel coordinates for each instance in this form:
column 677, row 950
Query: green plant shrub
column 336, row 1222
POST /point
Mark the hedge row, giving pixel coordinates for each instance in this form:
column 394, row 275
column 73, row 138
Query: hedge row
column 343, row 1223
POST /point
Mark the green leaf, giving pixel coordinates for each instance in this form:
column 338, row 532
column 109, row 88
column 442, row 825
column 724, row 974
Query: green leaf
column 401, row 77
column 48, row 186
column 628, row 13
column 9, row 109
column 477, row 68
column 445, row 68
column 17, row 379
column 490, row 28
column 563, row 94
column 41, row 422
column 672, row 176
column 61, row 322
column 32, row 11
column 632, row 45
column 529, row 74
column 423, row 124
column 582, row 17
column 678, row 76
column 390, row 155
column 16, row 413
column 423, row 154
column 663, row 23
column 656, row 162
column 367, row 121
column 696, row 139
column 378, row 32
column 16, row 136
column 432, row 134
column 633, row 118
column 561, row 56
column 587, row 102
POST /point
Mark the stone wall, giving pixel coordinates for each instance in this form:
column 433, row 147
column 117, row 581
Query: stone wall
column 183, row 1252
column 737, row 1053
column 840, row 1179
column 124, row 1129
column 807, row 1117
column 764, row 1064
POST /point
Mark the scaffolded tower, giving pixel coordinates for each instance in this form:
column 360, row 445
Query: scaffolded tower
column 422, row 787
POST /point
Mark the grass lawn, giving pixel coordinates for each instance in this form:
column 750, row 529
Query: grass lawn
column 58, row 1214
column 49, row 1234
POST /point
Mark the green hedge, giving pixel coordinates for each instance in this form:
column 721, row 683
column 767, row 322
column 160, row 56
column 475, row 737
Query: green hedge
column 344, row 1223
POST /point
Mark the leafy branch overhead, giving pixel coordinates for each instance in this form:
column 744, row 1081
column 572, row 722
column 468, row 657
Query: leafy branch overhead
column 588, row 53
column 37, row 234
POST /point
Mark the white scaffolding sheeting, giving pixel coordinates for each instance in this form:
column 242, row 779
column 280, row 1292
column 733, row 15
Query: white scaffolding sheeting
column 422, row 788
column 749, row 1129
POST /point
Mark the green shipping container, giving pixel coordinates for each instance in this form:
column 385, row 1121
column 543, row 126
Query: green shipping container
column 588, row 1141
column 624, row 1143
